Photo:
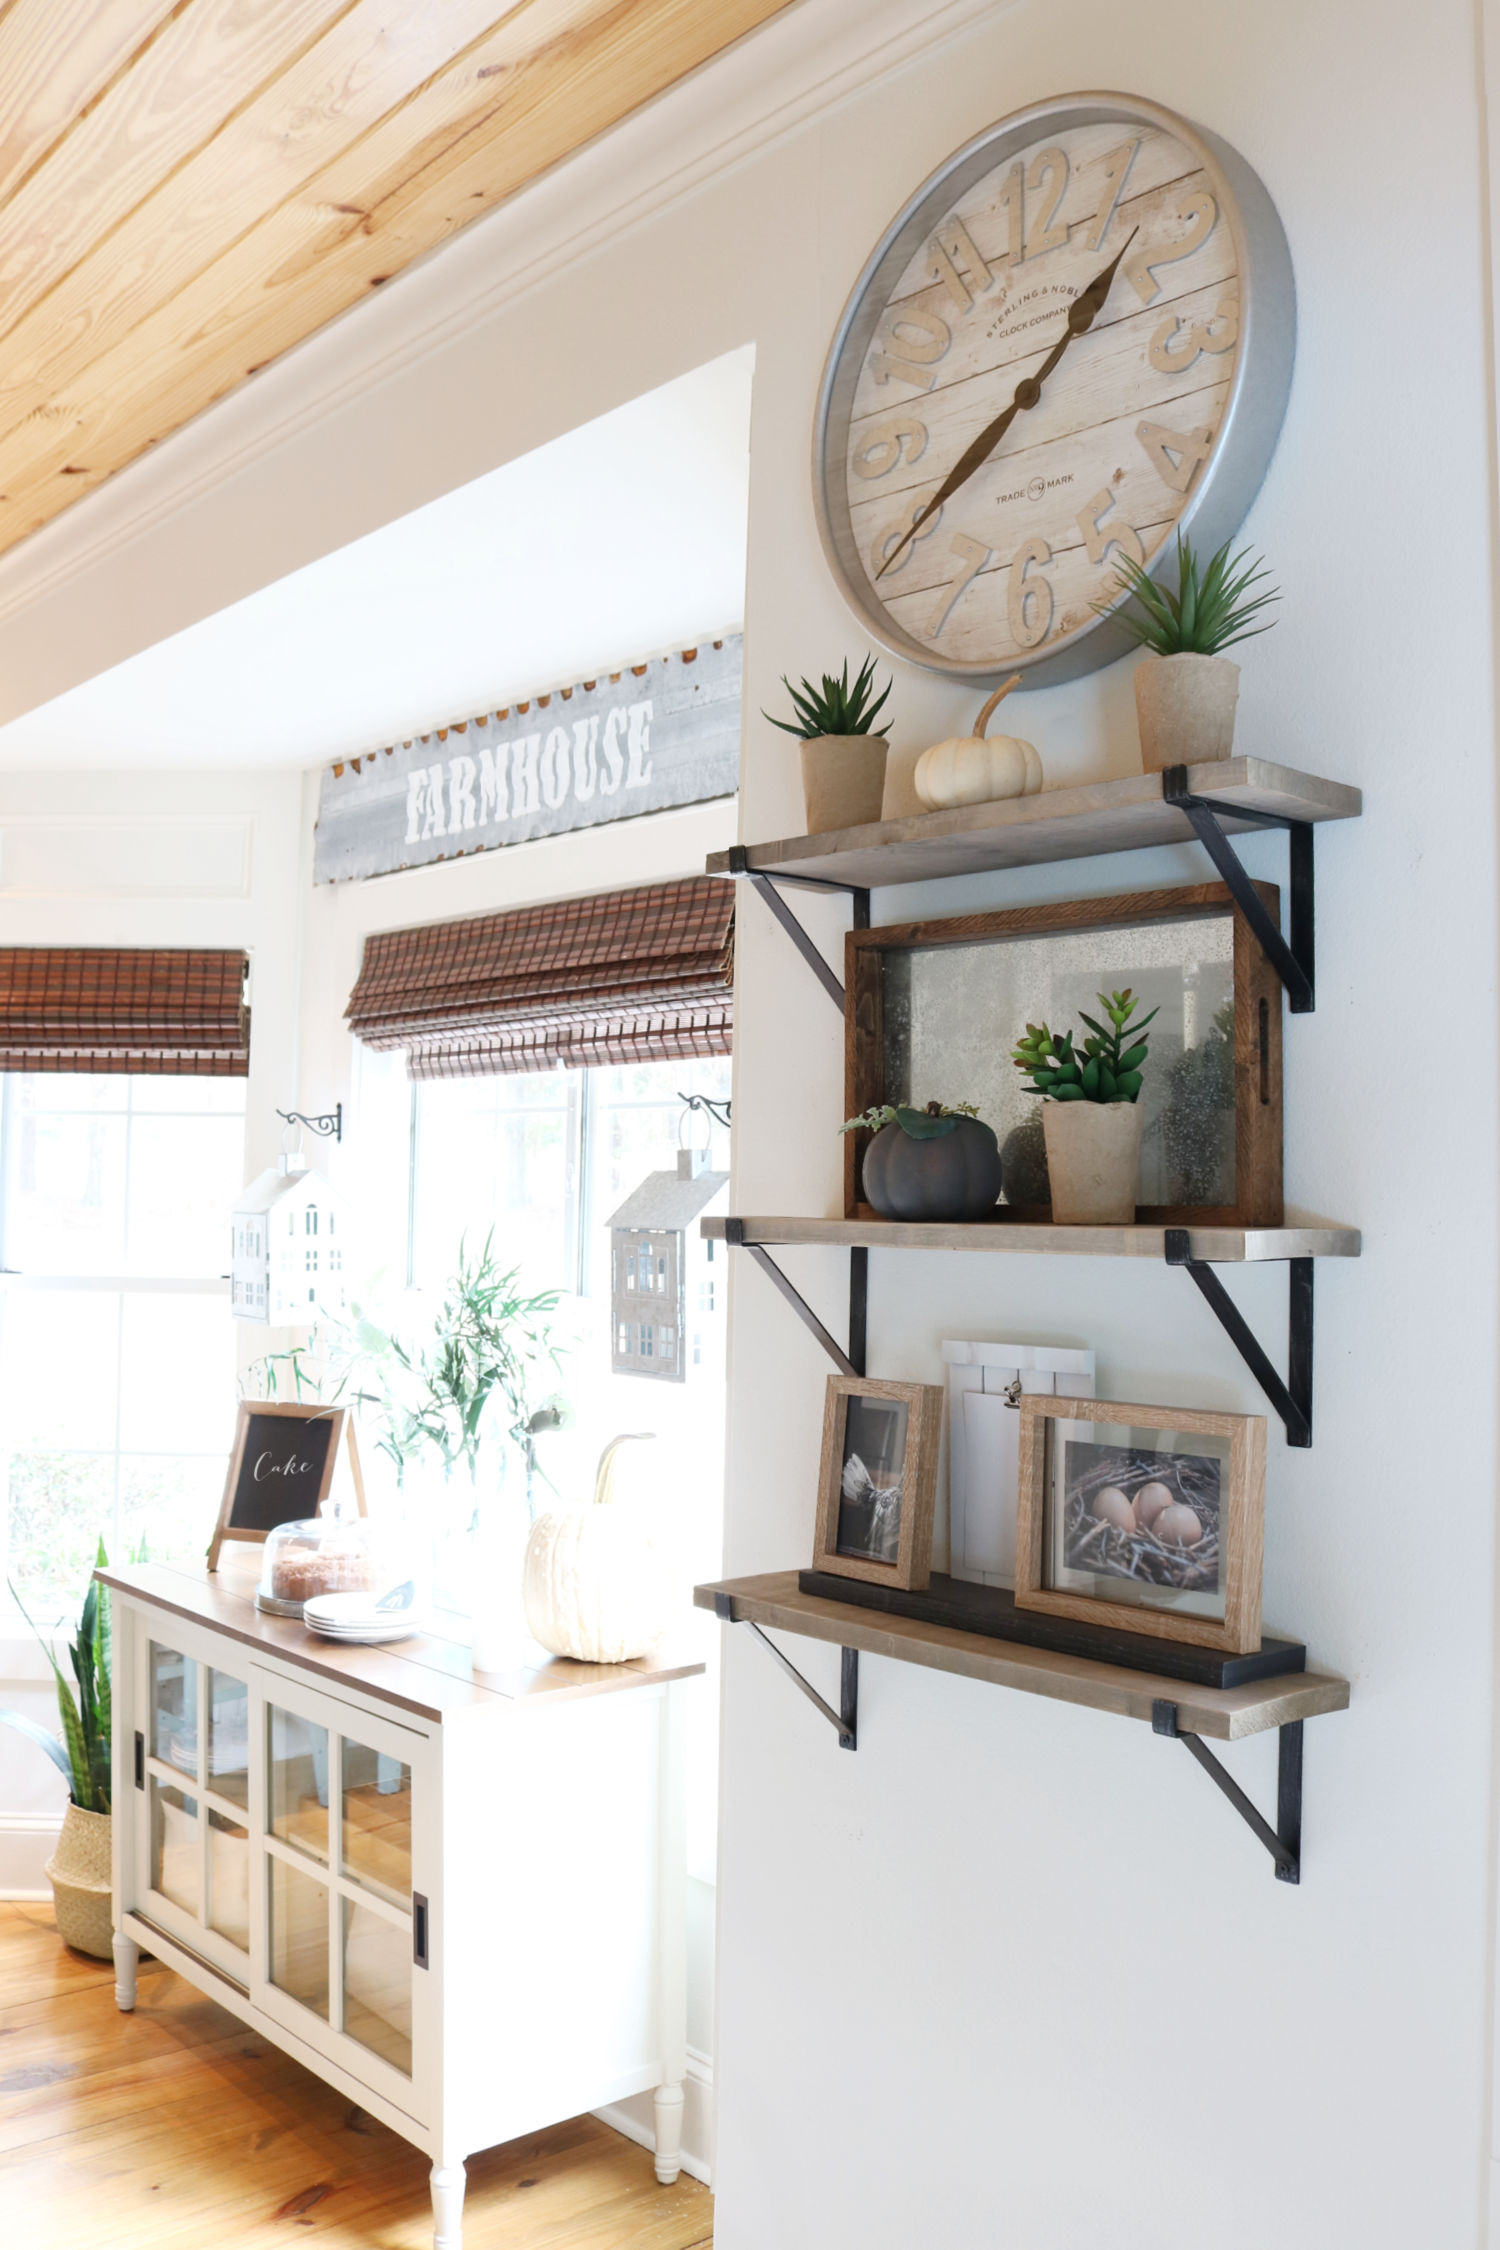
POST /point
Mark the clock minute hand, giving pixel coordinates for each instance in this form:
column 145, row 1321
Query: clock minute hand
column 1082, row 313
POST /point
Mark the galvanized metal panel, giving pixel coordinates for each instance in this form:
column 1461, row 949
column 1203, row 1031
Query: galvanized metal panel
column 660, row 734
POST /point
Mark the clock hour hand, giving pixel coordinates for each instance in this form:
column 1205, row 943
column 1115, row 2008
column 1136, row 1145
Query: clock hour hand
column 1082, row 314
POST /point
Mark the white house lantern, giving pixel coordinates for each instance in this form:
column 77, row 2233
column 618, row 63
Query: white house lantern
column 666, row 1282
column 288, row 1261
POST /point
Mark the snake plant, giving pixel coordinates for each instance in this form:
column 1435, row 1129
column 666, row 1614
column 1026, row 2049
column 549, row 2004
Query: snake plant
column 82, row 1756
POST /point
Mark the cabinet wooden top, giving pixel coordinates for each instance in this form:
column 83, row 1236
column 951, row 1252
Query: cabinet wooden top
column 428, row 1675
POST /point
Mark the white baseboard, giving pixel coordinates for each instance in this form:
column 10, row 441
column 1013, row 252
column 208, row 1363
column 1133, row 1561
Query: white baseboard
column 27, row 1842
column 635, row 2119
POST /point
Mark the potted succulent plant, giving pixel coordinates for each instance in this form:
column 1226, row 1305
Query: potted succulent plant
column 843, row 751
column 939, row 1163
column 79, row 1870
column 1092, row 1115
column 1187, row 688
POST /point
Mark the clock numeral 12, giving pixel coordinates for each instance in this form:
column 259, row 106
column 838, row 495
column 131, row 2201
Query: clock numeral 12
column 1029, row 601
column 1175, row 455
column 974, row 554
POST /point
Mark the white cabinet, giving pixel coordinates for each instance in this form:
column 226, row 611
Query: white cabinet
column 458, row 1899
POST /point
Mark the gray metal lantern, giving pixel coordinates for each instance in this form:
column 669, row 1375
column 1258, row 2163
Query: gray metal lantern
column 666, row 1284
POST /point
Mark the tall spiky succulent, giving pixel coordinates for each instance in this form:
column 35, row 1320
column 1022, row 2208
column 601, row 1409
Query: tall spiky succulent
column 836, row 707
column 82, row 1756
column 1208, row 612
column 1103, row 1069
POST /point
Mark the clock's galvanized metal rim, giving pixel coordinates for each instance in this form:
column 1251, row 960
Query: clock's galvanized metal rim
column 1252, row 414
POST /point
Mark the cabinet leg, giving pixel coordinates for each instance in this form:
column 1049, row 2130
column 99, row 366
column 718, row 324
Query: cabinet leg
column 668, row 2103
column 447, row 2206
column 127, row 1953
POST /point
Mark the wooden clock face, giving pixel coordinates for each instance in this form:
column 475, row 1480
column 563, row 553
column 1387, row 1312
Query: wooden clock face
column 1158, row 410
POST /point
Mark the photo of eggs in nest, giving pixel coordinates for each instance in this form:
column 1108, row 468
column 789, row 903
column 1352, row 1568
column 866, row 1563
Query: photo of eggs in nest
column 1138, row 1513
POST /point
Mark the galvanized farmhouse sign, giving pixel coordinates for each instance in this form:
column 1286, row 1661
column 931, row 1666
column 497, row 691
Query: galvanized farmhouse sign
column 662, row 733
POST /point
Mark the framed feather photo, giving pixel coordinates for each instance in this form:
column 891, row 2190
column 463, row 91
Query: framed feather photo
column 878, row 1484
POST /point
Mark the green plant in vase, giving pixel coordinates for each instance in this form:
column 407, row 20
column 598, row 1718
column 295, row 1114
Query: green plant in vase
column 1187, row 688
column 1092, row 1117
column 79, row 1870
column 843, row 751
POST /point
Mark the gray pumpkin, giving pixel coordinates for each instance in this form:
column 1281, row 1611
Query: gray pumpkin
column 926, row 1167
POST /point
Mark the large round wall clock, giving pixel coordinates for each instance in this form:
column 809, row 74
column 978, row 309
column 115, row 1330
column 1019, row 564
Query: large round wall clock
column 1075, row 341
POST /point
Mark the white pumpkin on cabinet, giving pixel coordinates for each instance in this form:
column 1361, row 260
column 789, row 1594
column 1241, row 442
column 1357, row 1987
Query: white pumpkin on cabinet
column 596, row 1582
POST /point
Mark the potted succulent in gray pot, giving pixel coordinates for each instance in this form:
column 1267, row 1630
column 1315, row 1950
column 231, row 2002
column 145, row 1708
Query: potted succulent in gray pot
column 1091, row 1115
column 937, row 1163
column 1187, row 688
column 843, row 751
column 79, row 1870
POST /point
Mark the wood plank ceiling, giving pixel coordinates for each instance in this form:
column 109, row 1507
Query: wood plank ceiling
column 190, row 187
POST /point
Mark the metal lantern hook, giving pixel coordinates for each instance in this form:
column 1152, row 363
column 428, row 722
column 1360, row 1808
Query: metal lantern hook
column 717, row 1113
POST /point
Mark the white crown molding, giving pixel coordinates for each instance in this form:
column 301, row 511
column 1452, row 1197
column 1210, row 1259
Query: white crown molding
column 726, row 113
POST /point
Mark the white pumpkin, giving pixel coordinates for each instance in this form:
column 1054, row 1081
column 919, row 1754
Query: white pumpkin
column 595, row 1578
column 976, row 769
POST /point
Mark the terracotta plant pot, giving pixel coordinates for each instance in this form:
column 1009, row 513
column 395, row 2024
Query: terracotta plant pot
column 843, row 780
column 79, row 1872
column 1184, row 708
column 1093, row 1161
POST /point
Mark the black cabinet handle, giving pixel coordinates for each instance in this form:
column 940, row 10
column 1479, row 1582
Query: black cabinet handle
column 419, row 1929
column 140, row 1759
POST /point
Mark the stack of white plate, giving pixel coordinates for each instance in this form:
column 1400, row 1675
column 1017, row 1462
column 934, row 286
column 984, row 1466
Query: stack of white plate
column 359, row 1617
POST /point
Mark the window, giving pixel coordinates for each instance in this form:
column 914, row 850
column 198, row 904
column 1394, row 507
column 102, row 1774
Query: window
column 116, row 1346
column 543, row 1159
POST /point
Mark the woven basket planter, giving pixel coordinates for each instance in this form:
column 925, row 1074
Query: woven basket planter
column 79, row 1872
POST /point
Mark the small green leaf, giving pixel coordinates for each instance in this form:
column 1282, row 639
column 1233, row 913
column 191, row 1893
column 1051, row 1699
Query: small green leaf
column 1068, row 1094
column 1128, row 1085
column 921, row 1125
column 1133, row 1057
column 1091, row 1079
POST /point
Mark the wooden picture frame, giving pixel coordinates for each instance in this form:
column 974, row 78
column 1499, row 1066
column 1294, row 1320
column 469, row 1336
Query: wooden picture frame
column 903, row 1425
column 1239, row 1500
column 300, row 1482
column 1257, row 999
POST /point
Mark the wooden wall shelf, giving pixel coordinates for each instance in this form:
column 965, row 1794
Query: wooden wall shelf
column 1223, row 1714
column 1231, row 1246
column 1172, row 1708
column 1100, row 816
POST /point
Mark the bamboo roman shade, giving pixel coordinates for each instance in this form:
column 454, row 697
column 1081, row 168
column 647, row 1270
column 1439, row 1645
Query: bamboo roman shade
column 623, row 977
column 102, row 1009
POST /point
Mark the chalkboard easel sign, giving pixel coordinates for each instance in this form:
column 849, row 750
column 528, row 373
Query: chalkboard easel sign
column 281, row 1469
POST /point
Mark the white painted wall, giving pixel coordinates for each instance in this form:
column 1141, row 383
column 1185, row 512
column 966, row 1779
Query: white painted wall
column 1014, row 1974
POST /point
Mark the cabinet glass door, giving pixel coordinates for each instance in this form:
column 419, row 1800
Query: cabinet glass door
column 346, row 1933
column 192, row 1845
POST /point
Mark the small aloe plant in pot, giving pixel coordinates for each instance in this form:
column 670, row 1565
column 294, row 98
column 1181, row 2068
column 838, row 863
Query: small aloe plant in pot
column 1092, row 1118
column 939, row 1163
column 1187, row 689
column 843, row 751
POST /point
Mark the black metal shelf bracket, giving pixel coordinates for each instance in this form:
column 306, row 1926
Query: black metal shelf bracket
column 739, row 866
column 1292, row 1399
column 845, row 1720
column 850, row 1362
column 1291, row 957
column 1284, row 1841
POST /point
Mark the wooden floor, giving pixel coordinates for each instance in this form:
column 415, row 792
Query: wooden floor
column 178, row 2129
